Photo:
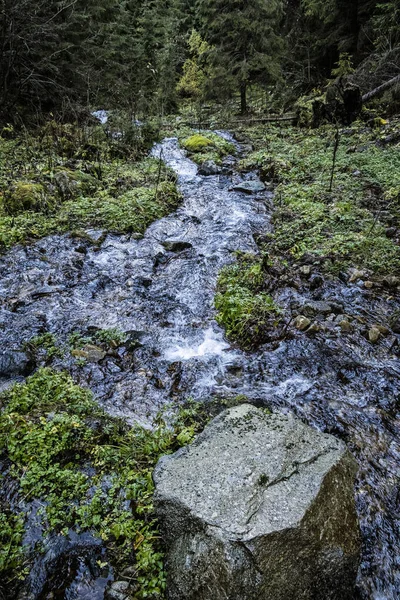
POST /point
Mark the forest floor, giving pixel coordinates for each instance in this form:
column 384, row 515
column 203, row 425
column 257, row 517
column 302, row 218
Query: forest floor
column 335, row 218
column 63, row 178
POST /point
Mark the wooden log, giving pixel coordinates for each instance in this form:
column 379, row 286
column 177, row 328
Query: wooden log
column 380, row 89
column 214, row 124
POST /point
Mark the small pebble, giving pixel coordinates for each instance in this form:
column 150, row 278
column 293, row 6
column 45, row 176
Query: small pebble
column 373, row 335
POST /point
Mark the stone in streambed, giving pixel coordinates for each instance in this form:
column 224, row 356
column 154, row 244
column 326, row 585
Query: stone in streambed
column 374, row 335
column 249, row 187
column 14, row 362
column 394, row 321
column 91, row 353
column 176, row 245
column 119, row 590
column 313, row 307
column 345, row 326
column 259, row 507
column 302, row 323
column 209, row 167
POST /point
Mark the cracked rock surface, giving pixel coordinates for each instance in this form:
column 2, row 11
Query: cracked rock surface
column 259, row 507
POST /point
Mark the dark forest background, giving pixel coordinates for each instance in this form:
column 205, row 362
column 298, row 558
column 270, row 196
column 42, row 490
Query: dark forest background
column 149, row 57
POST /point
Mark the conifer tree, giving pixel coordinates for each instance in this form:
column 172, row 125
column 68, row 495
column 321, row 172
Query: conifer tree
column 246, row 45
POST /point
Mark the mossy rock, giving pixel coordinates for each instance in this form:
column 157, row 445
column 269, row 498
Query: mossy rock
column 25, row 196
column 197, row 143
column 306, row 109
column 71, row 184
column 274, row 169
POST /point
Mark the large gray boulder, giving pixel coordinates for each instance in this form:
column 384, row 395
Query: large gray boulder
column 259, row 507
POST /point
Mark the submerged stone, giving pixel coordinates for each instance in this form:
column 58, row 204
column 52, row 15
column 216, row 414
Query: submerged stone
column 302, row 323
column 209, row 167
column 249, row 187
column 374, row 335
column 176, row 245
column 259, row 507
column 314, row 307
column 90, row 353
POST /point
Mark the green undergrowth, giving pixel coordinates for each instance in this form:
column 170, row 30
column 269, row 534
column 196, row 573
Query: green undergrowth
column 244, row 309
column 44, row 348
column 91, row 472
column 348, row 225
column 206, row 146
column 353, row 224
column 62, row 178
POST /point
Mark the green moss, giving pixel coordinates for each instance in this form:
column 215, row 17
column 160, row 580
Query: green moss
column 345, row 227
column 197, row 143
column 47, row 188
column 91, row 472
column 43, row 347
column 71, row 184
column 111, row 337
column 213, row 147
column 25, row 196
column 246, row 313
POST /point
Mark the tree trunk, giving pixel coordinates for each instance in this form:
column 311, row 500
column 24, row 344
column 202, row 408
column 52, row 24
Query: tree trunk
column 382, row 88
column 243, row 98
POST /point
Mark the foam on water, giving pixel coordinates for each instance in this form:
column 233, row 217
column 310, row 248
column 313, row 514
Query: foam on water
column 213, row 344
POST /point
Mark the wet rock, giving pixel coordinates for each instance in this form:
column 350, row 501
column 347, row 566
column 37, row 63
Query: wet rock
column 57, row 562
column 374, row 335
column 260, row 506
column 314, row 307
column 302, row 323
column 130, row 572
column 143, row 281
column 336, row 307
column 345, row 326
column 394, row 321
column 316, row 281
column 368, row 285
column 305, row 270
column 160, row 259
column 357, row 275
column 90, row 353
column 209, row 167
column 391, row 232
column 14, row 362
column 119, row 590
column 47, row 290
column 313, row 329
column 176, row 245
column 384, row 330
column 391, row 281
column 134, row 339
column 249, row 187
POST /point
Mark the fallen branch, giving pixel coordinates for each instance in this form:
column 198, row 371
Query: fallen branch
column 214, row 124
column 382, row 88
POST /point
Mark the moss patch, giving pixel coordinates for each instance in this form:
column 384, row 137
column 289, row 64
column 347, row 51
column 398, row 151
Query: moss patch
column 64, row 179
column 197, row 143
column 206, row 147
column 246, row 312
column 337, row 224
column 348, row 225
column 91, row 472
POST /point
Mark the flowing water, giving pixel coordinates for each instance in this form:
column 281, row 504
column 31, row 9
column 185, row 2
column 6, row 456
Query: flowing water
column 160, row 290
